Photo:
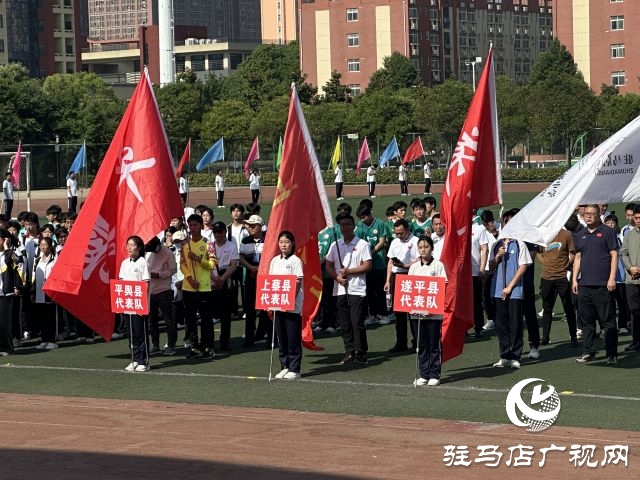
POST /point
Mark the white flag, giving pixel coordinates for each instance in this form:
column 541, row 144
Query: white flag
column 607, row 174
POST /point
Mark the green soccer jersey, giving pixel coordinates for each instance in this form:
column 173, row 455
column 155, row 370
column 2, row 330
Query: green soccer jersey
column 372, row 235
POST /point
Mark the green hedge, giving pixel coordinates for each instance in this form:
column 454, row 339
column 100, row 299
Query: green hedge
column 383, row 176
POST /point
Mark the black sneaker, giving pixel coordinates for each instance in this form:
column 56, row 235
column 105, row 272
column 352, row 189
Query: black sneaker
column 361, row 358
column 398, row 349
column 544, row 341
column 207, row 354
column 574, row 343
column 612, row 360
column 193, row 352
column 348, row 358
column 586, row 357
column 634, row 347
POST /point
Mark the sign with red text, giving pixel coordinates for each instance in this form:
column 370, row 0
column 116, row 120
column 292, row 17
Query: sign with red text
column 129, row 296
column 418, row 294
column 276, row 292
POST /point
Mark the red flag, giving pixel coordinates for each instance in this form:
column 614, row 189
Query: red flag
column 364, row 155
column 300, row 185
column 17, row 162
column 414, row 151
column 134, row 193
column 186, row 158
column 473, row 181
column 254, row 154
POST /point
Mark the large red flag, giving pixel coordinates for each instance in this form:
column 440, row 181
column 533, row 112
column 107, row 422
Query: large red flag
column 17, row 163
column 414, row 151
column 186, row 158
column 254, row 154
column 300, row 206
column 473, row 180
column 134, row 193
column 364, row 155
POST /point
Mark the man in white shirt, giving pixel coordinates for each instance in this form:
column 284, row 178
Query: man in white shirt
column 72, row 192
column 183, row 189
column 226, row 251
column 348, row 261
column 402, row 178
column 371, row 180
column 403, row 252
column 7, row 195
column 220, row 188
column 339, row 182
column 427, row 177
column 237, row 231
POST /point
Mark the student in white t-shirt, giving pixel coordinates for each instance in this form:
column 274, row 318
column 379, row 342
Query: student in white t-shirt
column 183, row 189
column 254, row 185
column 426, row 170
column 72, row 192
column 402, row 178
column 135, row 268
column 7, row 195
column 371, row 180
column 220, row 188
column 289, row 324
column 430, row 328
column 339, row 181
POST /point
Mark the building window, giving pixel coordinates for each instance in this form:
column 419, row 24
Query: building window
column 617, row 22
column 616, row 1
column 355, row 89
column 235, row 59
column 618, row 78
column 352, row 14
column 353, row 64
column 1, row 21
column 216, row 61
column 617, row 50
column 197, row 63
column 353, row 39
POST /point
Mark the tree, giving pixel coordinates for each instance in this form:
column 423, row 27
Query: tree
column 443, row 110
column 211, row 89
column 564, row 107
column 617, row 110
column 227, row 118
column 181, row 107
column 381, row 115
column 328, row 119
column 334, row 91
column 86, row 109
column 397, row 72
column 25, row 109
column 270, row 121
column 555, row 60
column 513, row 115
column 266, row 74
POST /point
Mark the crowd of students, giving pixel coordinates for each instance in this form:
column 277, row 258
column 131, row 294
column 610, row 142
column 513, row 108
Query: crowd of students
column 202, row 272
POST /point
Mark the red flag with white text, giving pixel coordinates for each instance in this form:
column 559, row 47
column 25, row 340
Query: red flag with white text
column 363, row 156
column 134, row 193
column 473, row 180
column 300, row 206
column 184, row 160
column 254, row 154
column 414, row 151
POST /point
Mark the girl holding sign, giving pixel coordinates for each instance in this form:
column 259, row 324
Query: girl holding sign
column 288, row 325
column 135, row 268
column 430, row 327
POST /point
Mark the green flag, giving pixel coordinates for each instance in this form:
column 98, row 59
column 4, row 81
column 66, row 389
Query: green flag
column 279, row 157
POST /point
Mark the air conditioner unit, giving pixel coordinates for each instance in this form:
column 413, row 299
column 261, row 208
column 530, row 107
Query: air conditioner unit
column 209, row 40
column 203, row 41
column 190, row 41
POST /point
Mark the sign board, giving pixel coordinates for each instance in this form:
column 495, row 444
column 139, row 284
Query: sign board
column 276, row 292
column 129, row 297
column 418, row 294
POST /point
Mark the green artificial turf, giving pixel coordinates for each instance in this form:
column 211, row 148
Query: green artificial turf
column 593, row 395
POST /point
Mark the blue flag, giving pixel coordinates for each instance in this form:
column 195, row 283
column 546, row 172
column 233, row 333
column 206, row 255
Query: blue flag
column 80, row 161
column 390, row 152
column 214, row 154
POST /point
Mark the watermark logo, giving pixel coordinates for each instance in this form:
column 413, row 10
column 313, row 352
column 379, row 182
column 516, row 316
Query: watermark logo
column 538, row 412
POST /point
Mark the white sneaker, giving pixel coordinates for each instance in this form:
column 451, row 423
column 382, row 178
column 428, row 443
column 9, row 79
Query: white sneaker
column 420, row 382
column 534, row 353
column 90, row 340
column 503, row 362
column 331, row 330
column 42, row 345
column 116, row 336
column 384, row 320
column 292, row 376
column 131, row 367
column 142, row 368
column 51, row 346
column 540, row 313
column 318, row 330
column 371, row 320
column 216, row 320
column 282, row 373
column 489, row 325
column 579, row 334
column 433, row 382
column 26, row 336
column 624, row 331
column 515, row 364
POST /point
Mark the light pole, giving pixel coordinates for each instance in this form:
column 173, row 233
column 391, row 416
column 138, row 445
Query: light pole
column 473, row 62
